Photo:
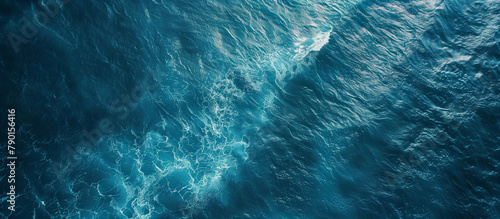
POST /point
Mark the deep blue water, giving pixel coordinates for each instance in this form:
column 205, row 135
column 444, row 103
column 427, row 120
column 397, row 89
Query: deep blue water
column 252, row 109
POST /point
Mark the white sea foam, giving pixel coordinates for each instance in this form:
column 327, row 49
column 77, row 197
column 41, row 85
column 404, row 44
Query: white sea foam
column 306, row 45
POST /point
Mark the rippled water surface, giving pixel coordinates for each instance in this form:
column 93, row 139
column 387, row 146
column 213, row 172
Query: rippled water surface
column 254, row 109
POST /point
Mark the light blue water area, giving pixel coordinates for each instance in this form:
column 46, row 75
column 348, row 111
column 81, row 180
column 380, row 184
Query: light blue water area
column 257, row 109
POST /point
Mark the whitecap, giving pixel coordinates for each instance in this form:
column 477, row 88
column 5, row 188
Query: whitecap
column 306, row 45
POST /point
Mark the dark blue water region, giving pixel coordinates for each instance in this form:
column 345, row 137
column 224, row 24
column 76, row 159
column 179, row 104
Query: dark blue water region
column 252, row 109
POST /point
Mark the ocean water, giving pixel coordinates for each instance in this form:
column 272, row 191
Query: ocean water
column 252, row 109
